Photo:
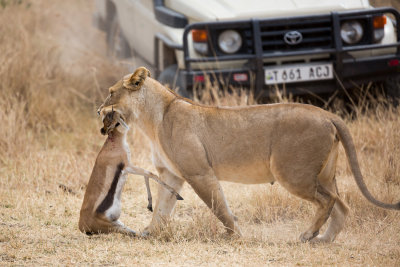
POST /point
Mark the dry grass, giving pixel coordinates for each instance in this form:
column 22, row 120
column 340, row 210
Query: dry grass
column 51, row 80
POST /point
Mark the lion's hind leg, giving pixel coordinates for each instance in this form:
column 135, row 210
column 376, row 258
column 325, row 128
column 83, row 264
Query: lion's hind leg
column 337, row 221
column 340, row 210
column 324, row 201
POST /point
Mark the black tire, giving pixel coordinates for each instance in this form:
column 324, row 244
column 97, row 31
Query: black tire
column 172, row 78
column 117, row 45
column 392, row 87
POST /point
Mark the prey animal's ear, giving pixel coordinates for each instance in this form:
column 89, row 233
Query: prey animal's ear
column 136, row 80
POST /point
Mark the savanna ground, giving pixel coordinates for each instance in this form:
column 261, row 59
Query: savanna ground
column 53, row 75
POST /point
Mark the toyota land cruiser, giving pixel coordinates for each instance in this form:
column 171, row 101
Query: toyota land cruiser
column 309, row 46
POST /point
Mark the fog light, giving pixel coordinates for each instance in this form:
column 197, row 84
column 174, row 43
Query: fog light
column 200, row 39
column 379, row 23
column 201, row 48
column 230, row 41
column 351, row 32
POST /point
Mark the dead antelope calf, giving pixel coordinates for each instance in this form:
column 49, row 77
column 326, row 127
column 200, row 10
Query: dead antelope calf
column 101, row 207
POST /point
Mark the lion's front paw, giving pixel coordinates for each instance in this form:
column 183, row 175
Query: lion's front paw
column 307, row 236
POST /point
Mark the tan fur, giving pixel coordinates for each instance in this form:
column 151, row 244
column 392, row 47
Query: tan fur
column 112, row 164
column 293, row 144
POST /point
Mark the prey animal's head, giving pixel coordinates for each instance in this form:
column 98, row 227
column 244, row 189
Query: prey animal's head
column 113, row 120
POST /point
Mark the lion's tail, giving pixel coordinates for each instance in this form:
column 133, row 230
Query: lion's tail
column 347, row 141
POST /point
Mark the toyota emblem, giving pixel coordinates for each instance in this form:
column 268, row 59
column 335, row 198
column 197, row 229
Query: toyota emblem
column 293, row 38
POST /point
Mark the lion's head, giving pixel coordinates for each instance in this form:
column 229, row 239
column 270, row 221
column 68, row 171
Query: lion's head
column 124, row 92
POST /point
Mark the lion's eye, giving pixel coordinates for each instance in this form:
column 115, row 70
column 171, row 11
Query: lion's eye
column 137, row 83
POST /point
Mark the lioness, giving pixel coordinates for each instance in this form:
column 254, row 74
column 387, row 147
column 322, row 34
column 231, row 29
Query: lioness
column 101, row 207
column 294, row 144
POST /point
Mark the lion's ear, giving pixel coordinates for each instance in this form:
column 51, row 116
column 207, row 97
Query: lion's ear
column 136, row 80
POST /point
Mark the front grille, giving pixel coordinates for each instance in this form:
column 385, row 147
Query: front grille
column 316, row 33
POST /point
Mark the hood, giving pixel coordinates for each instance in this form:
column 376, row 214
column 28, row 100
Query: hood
column 216, row 10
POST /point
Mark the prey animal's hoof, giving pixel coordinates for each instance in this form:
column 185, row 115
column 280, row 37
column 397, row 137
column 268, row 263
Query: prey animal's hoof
column 131, row 233
column 150, row 207
column 145, row 234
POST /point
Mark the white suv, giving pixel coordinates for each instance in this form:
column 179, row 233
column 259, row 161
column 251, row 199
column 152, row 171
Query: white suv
column 307, row 45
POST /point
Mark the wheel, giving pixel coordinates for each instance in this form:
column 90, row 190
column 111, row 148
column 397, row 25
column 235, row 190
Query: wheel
column 172, row 78
column 392, row 87
column 117, row 45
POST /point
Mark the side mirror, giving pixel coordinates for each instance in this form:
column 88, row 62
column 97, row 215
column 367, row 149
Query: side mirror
column 168, row 16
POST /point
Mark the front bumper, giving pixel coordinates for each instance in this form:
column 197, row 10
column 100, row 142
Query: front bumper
column 348, row 70
column 347, row 74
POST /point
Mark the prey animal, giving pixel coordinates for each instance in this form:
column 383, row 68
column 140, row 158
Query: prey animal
column 101, row 207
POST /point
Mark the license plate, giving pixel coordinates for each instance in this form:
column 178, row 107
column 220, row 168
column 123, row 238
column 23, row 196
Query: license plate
column 298, row 73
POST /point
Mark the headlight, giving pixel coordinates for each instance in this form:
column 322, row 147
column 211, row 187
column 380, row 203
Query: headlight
column 230, row 41
column 351, row 32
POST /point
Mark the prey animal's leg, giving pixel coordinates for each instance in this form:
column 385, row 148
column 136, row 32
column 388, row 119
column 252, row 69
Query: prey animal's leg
column 149, row 198
column 140, row 171
column 165, row 201
column 119, row 227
